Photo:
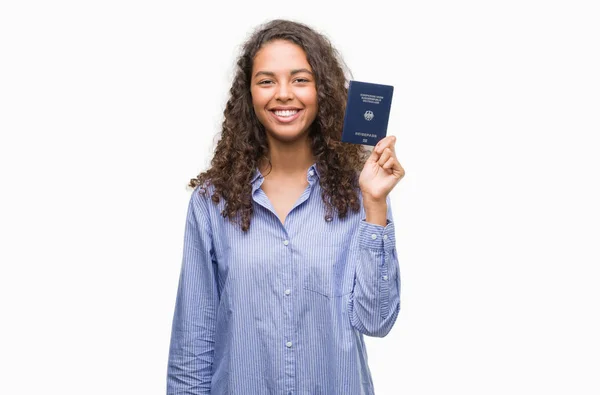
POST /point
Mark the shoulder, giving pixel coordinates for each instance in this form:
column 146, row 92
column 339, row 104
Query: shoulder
column 200, row 198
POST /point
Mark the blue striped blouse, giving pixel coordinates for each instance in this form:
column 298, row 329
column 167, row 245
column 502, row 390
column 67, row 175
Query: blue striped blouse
column 281, row 309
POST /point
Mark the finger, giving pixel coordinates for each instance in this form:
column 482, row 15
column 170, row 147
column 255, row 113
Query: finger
column 390, row 164
column 396, row 167
column 392, row 144
column 387, row 153
column 381, row 144
column 386, row 142
column 374, row 157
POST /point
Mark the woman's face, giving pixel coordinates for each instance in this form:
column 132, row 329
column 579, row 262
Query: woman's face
column 284, row 94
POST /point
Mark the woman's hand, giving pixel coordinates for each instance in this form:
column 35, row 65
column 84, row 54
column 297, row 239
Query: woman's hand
column 381, row 171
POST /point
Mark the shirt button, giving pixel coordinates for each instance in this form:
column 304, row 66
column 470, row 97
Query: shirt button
column 312, row 173
column 385, row 278
column 285, row 242
column 373, row 236
column 287, row 292
column 384, row 237
column 288, row 344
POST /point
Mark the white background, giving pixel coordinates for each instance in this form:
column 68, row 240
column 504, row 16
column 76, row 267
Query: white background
column 107, row 109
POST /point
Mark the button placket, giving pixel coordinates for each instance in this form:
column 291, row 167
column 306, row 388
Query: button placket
column 384, row 284
column 288, row 329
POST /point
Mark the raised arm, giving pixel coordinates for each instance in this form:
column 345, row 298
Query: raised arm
column 375, row 301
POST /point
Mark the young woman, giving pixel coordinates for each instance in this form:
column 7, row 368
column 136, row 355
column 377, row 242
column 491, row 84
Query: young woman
column 289, row 250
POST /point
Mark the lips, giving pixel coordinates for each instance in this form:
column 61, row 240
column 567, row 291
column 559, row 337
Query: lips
column 285, row 116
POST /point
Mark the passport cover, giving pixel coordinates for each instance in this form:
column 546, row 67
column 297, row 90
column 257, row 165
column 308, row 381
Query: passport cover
column 367, row 112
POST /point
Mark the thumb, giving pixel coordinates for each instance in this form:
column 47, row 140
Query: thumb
column 374, row 155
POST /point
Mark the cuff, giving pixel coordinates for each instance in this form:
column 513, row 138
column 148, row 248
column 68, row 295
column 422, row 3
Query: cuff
column 376, row 237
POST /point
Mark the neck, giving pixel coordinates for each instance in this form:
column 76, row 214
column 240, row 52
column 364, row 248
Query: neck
column 287, row 159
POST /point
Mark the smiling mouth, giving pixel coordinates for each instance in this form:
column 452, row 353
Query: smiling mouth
column 285, row 116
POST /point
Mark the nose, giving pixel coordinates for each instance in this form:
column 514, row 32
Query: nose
column 283, row 93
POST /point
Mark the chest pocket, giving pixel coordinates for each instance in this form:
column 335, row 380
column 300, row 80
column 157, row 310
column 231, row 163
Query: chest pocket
column 327, row 271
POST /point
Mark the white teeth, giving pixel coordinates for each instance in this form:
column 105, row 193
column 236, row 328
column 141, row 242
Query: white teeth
column 285, row 113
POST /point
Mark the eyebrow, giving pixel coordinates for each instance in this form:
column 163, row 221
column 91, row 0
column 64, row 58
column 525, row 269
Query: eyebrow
column 271, row 74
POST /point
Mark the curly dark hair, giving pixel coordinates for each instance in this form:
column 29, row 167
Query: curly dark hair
column 243, row 143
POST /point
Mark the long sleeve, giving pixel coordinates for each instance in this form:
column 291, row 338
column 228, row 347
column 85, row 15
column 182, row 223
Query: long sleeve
column 375, row 301
column 191, row 349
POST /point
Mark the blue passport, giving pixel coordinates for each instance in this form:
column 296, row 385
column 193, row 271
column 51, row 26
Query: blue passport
column 367, row 112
